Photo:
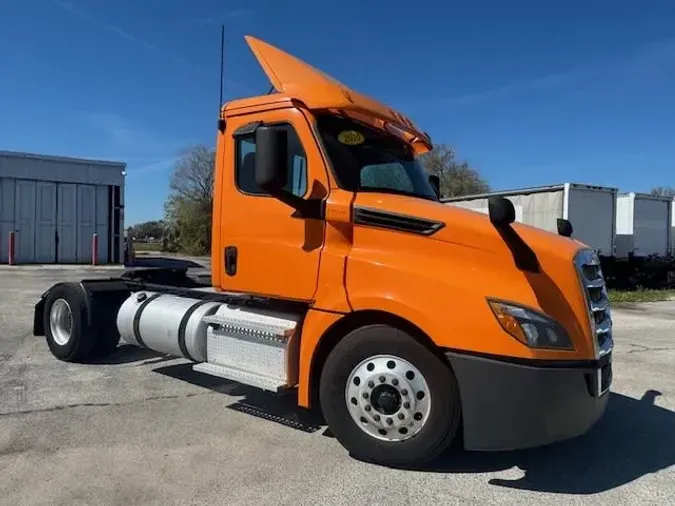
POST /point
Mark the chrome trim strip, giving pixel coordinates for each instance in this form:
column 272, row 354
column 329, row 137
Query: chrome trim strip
column 604, row 327
column 603, row 342
column 602, row 305
column 606, row 347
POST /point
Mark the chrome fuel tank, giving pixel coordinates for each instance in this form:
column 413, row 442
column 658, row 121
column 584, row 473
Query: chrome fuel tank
column 166, row 323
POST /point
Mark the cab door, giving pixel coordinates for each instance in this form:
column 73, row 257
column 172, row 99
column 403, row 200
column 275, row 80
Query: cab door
column 266, row 249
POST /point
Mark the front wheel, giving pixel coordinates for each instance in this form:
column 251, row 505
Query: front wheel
column 388, row 399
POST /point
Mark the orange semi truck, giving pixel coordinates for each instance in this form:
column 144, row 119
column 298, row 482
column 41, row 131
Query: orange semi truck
column 336, row 272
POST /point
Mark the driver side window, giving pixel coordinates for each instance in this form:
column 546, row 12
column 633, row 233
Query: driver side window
column 245, row 164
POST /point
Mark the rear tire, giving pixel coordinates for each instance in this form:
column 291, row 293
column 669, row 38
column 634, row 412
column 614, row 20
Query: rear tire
column 65, row 320
column 388, row 399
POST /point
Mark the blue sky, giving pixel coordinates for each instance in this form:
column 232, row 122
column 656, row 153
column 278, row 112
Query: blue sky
column 529, row 92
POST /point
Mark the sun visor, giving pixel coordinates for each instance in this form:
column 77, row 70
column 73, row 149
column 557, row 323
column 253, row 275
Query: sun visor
column 317, row 90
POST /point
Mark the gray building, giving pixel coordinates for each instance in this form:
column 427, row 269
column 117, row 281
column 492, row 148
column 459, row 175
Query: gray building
column 55, row 205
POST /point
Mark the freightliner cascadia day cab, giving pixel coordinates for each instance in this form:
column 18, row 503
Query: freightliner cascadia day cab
column 337, row 273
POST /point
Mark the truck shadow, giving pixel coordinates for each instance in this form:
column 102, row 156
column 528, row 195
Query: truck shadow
column 165, row 262
column 126, row 354
column 280, row 408
column 633, row 439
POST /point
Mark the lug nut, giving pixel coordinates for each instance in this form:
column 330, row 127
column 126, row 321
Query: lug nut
column 401, row 416
column 389, row 421
column 371, row 384
column 376, row 418
column 365, row 395
column 382, row 378
column 367, row 407
column 394, row 382
column 406, row 405
column 404, row 392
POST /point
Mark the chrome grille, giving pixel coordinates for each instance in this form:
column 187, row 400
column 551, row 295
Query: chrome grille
column 597, row 300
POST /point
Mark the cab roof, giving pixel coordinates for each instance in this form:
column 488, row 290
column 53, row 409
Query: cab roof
column 296, row 80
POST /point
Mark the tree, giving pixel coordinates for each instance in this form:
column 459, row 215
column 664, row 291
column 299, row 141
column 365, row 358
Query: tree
column 147, row 230
column 189, row 206
column 666, row 191
column 456, row 178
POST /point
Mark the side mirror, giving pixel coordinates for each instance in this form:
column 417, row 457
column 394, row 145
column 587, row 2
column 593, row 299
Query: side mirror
column 435, row 183
column 270, row 159
column 564, row 227
column 501, row 211
column 271, row 171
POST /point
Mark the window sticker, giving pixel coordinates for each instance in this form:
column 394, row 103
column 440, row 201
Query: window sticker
column 351, row 137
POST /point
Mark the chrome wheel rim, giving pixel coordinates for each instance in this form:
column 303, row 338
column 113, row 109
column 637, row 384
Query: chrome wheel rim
column 388, row 398
column 61, row 322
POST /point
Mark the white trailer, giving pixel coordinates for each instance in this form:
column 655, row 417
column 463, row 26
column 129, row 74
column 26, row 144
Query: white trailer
column 590, row 209
column 643, row 225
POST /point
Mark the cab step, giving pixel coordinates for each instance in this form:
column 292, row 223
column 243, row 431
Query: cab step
column 243, row 377
column 252, row 346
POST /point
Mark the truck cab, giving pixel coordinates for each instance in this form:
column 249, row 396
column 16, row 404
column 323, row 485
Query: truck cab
column 336, row 271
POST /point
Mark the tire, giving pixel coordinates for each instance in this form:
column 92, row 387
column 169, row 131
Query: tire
column 439, row 411
column 73, row 341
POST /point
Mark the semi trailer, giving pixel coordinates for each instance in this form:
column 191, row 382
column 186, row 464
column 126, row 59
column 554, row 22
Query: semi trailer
column 591, row 208
column 643, row 225
column 643, row 241
column 631, row 233
column 338, row 275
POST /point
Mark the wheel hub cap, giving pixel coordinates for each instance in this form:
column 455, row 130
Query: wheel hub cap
column 388, row 398
column 61, row 322
column 385, row 399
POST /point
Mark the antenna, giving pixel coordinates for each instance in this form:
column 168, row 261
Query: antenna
column 222, row 63
column 221, row 122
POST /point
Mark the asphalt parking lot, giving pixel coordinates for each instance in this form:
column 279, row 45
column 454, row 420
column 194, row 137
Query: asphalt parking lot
column 144, row 429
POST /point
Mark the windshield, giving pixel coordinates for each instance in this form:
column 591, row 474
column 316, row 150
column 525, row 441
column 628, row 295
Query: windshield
column 368, row 159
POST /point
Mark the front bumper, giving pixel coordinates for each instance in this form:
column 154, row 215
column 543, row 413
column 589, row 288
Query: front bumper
column 508, row 405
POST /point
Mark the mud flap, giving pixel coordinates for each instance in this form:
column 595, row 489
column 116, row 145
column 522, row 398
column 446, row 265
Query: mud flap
column 38, row 326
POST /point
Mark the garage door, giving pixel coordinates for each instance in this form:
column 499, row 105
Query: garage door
column 82, row 211
column 24, row 221
column 45, row 222
column 67, row 223
column 35, row 221
column 53, row 222
column 86, row 221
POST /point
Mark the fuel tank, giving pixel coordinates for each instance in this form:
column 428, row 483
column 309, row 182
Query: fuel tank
column 166, row 323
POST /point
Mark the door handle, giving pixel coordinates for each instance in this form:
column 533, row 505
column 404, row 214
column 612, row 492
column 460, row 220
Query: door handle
column 231, row 260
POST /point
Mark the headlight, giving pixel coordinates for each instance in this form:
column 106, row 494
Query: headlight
column 531, row 328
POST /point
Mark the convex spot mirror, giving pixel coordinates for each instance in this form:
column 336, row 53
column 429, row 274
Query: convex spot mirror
column 564, row 227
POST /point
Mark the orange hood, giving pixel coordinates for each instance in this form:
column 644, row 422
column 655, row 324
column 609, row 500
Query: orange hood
column 471, row 228
column 468, row 259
